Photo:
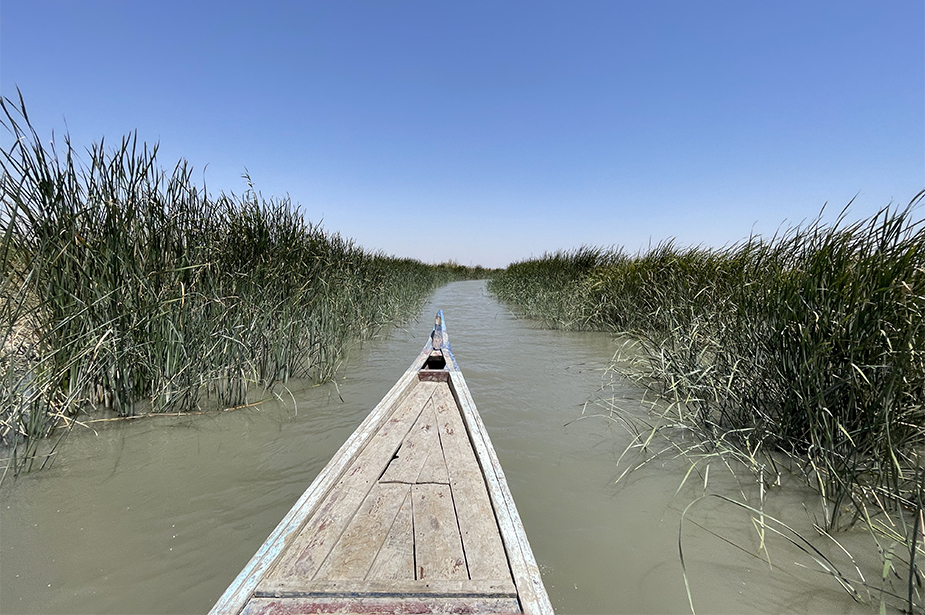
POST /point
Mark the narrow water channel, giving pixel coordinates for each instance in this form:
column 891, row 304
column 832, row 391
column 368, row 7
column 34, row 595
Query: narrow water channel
column 159, row 515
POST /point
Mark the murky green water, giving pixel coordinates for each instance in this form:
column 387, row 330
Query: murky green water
column 159, row 515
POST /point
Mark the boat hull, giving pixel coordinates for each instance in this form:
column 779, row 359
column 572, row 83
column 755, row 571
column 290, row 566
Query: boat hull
column 412, row 515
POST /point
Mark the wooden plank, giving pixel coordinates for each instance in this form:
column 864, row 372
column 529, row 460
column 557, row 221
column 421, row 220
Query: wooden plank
column 434, row 375
column 395, row 560
column 434, row 470
column 263, row 572
column 373, row 604
column 353, row 555
column 429, row 587
column 477, row 524
column 314, row 542
column 414, row 449
column 531, row 591
column 438, row 550
column 265, row 559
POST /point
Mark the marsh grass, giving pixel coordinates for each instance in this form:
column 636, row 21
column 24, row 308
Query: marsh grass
column 124, row 286
column 804, row 352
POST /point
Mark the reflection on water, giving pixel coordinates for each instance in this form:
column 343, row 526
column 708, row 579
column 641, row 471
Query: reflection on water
column 160, row 515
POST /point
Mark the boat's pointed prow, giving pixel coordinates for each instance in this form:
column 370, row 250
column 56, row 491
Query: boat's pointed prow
column 412, row 514
column 438, row 335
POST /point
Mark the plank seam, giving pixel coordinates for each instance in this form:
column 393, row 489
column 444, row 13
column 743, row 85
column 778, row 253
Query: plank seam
column 453, row 499
column 532, row 594
column 264, row 561
column 414, row 542
column 385, row 536
column 372, row 485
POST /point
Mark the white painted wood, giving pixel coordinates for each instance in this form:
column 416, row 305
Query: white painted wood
column 269, row 574
column 478, row 527
column 527, row 578
column 235, row 597
column 308, row 550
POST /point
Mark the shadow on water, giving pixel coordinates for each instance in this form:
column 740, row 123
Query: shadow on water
column 160, row 515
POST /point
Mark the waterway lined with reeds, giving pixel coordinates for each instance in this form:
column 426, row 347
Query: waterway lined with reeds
column 159, row 515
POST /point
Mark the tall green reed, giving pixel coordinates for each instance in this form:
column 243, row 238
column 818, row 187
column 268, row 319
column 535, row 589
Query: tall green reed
column 809, row 344
column 125, row 286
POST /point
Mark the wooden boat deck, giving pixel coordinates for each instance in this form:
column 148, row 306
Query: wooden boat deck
column 412, row 515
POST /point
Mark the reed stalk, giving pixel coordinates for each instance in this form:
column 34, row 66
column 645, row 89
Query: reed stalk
column 124, row 286
column 810, row 345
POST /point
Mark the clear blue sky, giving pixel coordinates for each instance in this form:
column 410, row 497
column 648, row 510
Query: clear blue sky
column 490, row 132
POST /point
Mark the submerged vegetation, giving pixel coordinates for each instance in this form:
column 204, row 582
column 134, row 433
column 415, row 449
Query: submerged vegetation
column 805, row 350
column 127, row 287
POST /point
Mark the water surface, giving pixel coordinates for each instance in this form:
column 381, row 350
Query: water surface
column 160, row 515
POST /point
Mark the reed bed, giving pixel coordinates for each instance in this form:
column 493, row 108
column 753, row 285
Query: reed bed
column 806, row 349
column 125, row 286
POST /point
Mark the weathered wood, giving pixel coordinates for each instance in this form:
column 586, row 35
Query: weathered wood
column 414, row 450
column 438, row 550
column 313, row 543
column 271, row 550
column 432, row 587
column 395, row 560
column 353, row 555
column 434, row 470
column 434, row 375
column 527, row 577
column 477, row 524
column 372, row 604
column 413, row 515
